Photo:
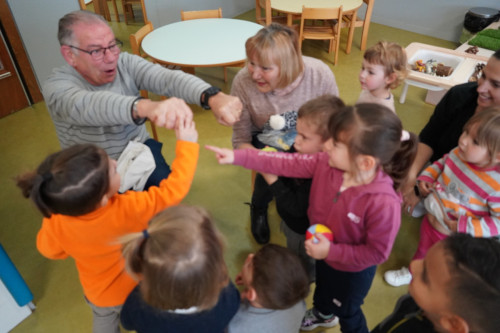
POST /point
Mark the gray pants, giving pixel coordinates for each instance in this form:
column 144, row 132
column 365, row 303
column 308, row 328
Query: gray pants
column 105, row 319
column 295, row 243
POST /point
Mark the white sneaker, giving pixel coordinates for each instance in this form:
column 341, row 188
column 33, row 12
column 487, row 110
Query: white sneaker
column 398, row 277
column 419, row 209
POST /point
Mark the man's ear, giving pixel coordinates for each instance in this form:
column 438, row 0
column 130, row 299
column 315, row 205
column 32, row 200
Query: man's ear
column 454, row 323
column 68, row 55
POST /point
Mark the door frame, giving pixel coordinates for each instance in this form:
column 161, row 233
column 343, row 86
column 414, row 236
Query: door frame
column 19, row 53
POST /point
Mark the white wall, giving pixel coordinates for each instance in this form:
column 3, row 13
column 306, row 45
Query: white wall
column 439, row 18
column 37, row 23
column 162, row 12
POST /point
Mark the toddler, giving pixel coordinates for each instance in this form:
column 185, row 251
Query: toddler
column 275, row 288
column 76, row 191
column 354, row 192
column 184, row 286
column 383, row 69
column 461, row 189
column 292, row 194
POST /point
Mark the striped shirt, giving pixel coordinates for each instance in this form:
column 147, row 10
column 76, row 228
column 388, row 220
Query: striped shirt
column 84, row 113
column 469, row 191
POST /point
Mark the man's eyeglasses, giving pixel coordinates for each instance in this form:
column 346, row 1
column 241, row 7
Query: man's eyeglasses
column 98, row 54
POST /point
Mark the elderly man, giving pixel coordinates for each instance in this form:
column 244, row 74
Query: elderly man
column 455, row 289
column 95, row 97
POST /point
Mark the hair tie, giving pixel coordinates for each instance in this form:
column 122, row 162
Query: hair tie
column 405, row 135
column 145, row 233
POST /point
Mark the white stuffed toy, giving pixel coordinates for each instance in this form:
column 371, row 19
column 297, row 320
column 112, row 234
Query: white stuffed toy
column 279, row 131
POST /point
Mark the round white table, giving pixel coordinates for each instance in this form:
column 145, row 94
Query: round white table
column 200, row 43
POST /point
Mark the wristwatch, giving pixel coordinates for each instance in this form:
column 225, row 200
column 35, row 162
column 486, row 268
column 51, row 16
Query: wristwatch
column 205, row 96
column 135, row 113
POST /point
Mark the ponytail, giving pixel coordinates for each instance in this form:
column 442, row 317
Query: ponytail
column 399, row 166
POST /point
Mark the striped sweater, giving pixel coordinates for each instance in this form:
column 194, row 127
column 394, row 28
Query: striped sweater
column 84, row 113
column 471, row 192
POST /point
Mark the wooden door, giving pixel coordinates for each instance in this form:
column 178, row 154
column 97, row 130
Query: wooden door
column 12, row 95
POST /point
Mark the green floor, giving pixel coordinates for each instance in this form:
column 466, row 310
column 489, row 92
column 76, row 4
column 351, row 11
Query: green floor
column 28, row 136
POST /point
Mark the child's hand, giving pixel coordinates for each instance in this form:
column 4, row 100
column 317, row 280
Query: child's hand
column 319, row 250
column 269, row 178
column 223, row 155
column 425, row 188
column 186, row 130
column 451, row 221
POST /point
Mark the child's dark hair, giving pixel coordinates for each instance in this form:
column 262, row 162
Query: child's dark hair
column 474, row 287
column 179, row 258
column 374, row 130
column 71, row 182
column 486, row 125
column 279, row 277
column 318, row 111
column 392, row 57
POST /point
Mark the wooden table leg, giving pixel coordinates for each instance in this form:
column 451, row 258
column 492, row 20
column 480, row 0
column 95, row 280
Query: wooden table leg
column 289, row 19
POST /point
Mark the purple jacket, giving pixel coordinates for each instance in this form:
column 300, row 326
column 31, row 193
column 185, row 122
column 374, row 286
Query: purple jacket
column 364, row 219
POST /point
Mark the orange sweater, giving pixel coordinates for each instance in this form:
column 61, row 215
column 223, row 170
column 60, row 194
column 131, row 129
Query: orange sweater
column 91, row 239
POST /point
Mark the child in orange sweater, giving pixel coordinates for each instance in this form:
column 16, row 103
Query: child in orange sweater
column 76, row 190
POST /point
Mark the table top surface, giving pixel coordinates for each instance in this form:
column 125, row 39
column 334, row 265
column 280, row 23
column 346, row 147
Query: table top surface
column 200, row 43
column 295, row 6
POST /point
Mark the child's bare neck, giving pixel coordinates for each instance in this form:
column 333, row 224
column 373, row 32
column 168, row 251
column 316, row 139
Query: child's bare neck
column 352, row 180
column 383, row 93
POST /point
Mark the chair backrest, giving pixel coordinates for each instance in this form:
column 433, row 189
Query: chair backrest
column 201, row 14
column 321, row 13
column 136, row 39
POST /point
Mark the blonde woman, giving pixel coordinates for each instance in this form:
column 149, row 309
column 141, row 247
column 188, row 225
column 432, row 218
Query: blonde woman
column 277, row 79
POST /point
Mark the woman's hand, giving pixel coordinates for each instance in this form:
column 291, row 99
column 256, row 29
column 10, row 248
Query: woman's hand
column 223, row 155
column 319, row 250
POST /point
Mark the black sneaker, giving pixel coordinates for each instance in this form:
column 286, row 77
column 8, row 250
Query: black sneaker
column 311, row 321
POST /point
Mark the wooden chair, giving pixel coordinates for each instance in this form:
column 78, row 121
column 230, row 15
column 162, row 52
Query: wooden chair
column 83, row 6
column 203, row 14
column 268, row 17
column 128, row 9
column 135, row 43
column 364, row 23
column 330, row 29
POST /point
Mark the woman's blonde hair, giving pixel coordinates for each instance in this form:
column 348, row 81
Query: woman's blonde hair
column 278, row 45
column 486, row 125
column 179, row 259
column 392, row 57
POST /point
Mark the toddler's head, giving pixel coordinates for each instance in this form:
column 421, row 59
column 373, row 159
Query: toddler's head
column 274, row 278
column 178, row 259
column 480, row 141
column 312, row 123
column 74, row 181
column 384, row 65
column 368, row 136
